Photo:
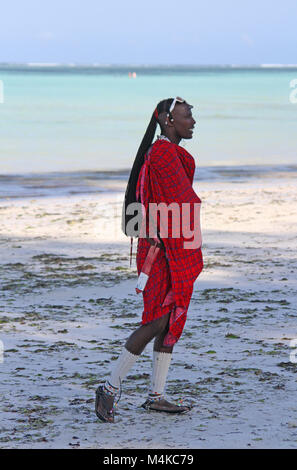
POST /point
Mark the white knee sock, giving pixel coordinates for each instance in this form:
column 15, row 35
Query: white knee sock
column 161, row 363
column 123, row 364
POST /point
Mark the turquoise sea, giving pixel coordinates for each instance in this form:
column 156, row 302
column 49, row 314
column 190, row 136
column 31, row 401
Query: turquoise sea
column 91, row 119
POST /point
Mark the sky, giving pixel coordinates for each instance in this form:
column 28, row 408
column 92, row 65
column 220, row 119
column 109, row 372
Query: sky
column 151, row 32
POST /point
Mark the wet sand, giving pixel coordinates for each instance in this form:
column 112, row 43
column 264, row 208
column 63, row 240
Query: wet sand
column 68, row 303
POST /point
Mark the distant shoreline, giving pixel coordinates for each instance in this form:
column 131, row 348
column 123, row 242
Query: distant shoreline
column 140, row 68
column 291, row 167
column 74, row 183
column 102, row 174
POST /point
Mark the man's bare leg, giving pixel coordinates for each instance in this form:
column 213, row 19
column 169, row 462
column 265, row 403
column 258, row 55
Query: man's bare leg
column 138, row 340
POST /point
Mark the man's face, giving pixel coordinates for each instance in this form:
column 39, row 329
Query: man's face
column 183, row 120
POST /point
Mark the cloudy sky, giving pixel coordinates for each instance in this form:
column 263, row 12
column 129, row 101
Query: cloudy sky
column 151, row 32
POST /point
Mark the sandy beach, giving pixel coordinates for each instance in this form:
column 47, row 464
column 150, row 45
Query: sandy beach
column 68, row 303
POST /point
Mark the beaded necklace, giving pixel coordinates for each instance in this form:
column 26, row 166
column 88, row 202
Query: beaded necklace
column 163, row 137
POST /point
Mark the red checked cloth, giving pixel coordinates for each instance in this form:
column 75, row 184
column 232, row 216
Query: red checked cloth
column 167, row 176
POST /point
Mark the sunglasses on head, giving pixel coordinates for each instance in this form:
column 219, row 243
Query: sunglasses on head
column 176, row 100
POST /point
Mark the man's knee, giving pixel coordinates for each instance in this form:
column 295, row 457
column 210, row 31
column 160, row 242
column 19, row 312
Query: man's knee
column 162, row 323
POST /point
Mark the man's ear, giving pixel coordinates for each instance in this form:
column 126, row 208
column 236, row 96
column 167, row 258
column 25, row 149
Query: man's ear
column 170, row 121
column 164, row 120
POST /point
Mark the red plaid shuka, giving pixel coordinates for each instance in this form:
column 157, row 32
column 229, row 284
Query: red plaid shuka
column 167, row 176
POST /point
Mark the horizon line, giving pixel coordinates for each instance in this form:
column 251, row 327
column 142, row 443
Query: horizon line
column 141, row 65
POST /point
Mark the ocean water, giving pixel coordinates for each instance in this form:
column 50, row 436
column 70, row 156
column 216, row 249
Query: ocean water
column 92, row 119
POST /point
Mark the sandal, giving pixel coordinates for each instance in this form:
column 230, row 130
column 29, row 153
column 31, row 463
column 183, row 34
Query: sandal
column 104, row 405
column 160, row 404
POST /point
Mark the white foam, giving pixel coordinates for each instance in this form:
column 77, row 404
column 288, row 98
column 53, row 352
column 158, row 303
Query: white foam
column 42, row 64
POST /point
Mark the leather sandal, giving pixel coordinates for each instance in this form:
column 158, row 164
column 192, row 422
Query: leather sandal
column 103, row 410
column 104, row 404
column 160, row 404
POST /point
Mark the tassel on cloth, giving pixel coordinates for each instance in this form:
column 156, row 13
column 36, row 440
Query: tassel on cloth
column 131, row 248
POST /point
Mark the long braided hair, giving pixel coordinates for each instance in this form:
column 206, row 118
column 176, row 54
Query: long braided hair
column 130, row 194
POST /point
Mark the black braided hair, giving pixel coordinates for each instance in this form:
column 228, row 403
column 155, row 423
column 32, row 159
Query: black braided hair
column 130, row 194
